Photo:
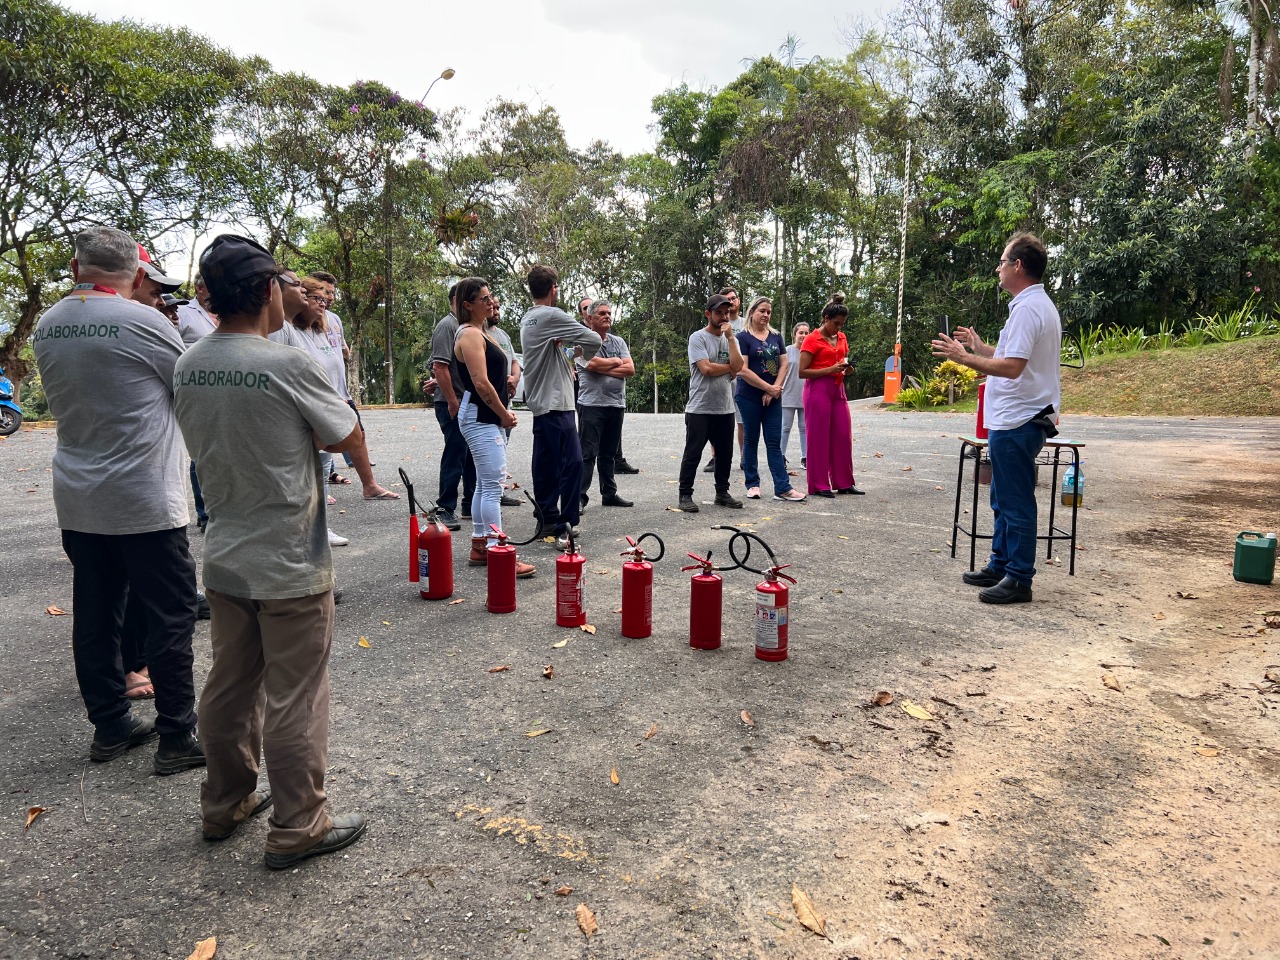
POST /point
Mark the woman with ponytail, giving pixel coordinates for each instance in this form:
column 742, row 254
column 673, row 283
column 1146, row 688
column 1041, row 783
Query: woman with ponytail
column 824, row 358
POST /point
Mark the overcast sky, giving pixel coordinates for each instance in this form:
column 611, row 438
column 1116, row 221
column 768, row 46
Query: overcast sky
column 598, row 63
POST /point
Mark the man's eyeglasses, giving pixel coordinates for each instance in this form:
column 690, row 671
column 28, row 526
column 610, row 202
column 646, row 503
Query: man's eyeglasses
column 1004, row 260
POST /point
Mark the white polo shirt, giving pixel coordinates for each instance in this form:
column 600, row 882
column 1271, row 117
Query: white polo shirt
column 1032, row 333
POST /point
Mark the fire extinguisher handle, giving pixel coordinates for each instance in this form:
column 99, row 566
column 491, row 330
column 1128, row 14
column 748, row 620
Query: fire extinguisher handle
column 413, row 503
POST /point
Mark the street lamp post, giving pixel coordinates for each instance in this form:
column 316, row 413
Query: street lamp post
column 446, row 74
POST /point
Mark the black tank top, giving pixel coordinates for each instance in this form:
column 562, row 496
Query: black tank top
column 495, row 365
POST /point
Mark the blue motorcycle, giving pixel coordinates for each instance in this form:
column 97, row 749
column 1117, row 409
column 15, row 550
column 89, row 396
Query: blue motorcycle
column 10, row 412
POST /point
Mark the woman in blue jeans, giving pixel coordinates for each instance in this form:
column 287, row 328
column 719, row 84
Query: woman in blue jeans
column 759, row 399
column 483, row 418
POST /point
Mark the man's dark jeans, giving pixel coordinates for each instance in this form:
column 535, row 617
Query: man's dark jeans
column 156, row 569
column 1013, row 500
column 698, row 429
column 600, row 431
column 455, row 463
column 557, row 468
column 201, row 515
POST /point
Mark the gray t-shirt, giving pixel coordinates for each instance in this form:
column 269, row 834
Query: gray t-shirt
column 709, row 394
column 268, row 535
column 501, row 339
column 547, row 336
column 107, row 368
column 600, row 389
column 330, row 360
column 194, row 322
column 290, row 336
column 793, row 388
column 442, row 338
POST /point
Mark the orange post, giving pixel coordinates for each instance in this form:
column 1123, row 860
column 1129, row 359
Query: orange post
column 893, row 374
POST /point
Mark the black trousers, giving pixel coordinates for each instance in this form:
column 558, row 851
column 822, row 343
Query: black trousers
column 698, row 429
column 557, row 468
column 455, row 463
column 600, row 432
column 157, row 571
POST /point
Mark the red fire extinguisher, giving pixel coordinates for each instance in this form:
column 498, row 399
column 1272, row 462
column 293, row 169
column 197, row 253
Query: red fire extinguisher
column 706, row 592
column 773, row 608
column 571, row 611
column 413, row 527
column 435, row 559
column 501, row 564
column 637, row 588
column 981, row 430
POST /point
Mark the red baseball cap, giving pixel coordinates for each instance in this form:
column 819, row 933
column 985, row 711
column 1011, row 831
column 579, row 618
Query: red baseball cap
column 167, row 284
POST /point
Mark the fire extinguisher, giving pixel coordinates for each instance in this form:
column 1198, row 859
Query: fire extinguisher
column 413, row 528
column 773, row 598
column 637, row 587
column 706, row 593
column 571, row 611
column 435, row 559
column 981, row 430
column 501, row 564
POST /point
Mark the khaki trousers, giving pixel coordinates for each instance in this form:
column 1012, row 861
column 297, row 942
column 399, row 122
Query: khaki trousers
column 268, row 695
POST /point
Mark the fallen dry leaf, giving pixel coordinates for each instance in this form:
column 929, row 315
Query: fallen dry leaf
column 1186, row 596
column 560, row 643
column 613, row 776
column 55, row 611
column 806, row 913
column 1207, row 751
column 205, row 949
column 563, row 891
column 1158, row 615
column 675, row 509
column 841, row 536
column 363, row 642
column 386, row 623
column 746, row 718
column 33, row 814
column 1271, row 674
column 649, row 734
column 882, row 699
column 603, row 572
column 537, row 733
column 549, row 672
column 1111, row 683
column 619, row 610
column 505, row 666
column 915, row 710
column 878, row 455
column 588, row 628
column 586, row 920
column 907, row 469
column 459, row 600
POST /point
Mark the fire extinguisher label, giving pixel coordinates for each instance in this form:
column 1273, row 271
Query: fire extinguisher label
column 765, row 599
column 767, row 623
column 422, row 564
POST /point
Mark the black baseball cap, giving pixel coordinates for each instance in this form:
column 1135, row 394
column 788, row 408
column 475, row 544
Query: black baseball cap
column 717, row 301
column 231, row 259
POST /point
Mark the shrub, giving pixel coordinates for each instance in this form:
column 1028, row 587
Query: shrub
column 913, row 398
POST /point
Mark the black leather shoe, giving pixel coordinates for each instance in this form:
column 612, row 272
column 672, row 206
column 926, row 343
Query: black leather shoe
column 852, row 491
column 728, row 500
column 986, row 577
column 347, row 829
column 688, row 505
column 1007, row 590
column 621, row 466
column 202, row 606
column 509, row 501
column 831, row 494
column 337, row 596
column 450, row 521
column 583, row 501
column 616, row 501
column 130, row 733
column 264, row 801
column 710, row 467
column 176, row 754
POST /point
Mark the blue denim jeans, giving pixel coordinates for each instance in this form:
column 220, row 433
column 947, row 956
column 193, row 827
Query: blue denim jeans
column 794, row 415
column 488, row 445
column 1013, row 500
column 201, row 515
column 758, row 418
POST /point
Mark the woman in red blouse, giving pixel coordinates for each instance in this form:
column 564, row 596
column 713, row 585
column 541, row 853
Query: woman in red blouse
column 824, row 358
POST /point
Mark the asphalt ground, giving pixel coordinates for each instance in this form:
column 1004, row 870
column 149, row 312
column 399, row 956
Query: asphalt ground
column 474, row 824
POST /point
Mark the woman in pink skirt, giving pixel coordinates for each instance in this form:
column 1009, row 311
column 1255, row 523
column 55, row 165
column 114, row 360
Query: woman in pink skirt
column 824, row 358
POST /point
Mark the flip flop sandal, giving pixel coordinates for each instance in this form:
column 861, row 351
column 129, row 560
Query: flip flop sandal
column 338, row 479
column 384, row 495
column 141, row 690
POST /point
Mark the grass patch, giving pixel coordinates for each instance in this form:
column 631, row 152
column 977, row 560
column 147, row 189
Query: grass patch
column 1237, row 379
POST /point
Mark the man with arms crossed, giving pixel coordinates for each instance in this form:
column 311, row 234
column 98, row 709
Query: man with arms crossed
column 602, row 400
column 545, row 333
column 119, row 489
column 714, row 362
column 268, row 571
column 1023, row 399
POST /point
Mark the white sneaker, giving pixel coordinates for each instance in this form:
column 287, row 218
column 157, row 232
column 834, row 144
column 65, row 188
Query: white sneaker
column 337, row 540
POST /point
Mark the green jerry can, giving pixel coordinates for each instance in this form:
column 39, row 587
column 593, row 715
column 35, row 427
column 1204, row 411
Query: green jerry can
column 1255, row 557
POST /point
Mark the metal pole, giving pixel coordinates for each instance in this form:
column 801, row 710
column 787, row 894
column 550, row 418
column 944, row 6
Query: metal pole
column 386, row 294
column 902, row 256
